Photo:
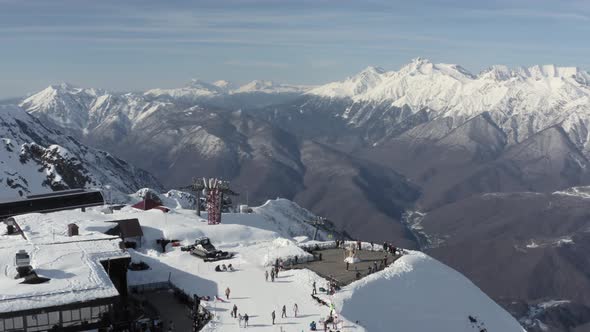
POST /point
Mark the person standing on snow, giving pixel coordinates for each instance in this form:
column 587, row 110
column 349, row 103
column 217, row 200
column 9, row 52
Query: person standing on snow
column 246, row 320
column 272, row 275
column 234, row 311
column 314, row 291
column 284, row 313
column 273, row 315
column 240, row 320
column 295, row 309
column 266, row 275
column 227, row 291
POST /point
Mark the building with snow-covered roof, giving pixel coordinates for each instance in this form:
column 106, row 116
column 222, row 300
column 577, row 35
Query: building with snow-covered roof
column 87, row 275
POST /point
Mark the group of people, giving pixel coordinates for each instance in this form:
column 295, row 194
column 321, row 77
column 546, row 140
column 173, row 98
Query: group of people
column 377, row 267
column 274, row 271
column 242, row 319
column 273, row 314
column 329, row 320
column 390, row 248
column 224, row 268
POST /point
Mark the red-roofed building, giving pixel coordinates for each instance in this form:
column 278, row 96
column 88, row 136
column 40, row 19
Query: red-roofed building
column 148, row 204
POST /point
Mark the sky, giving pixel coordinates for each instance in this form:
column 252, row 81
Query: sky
column 129, row 45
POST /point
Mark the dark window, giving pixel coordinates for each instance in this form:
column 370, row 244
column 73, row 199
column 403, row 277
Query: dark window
column 54, row 318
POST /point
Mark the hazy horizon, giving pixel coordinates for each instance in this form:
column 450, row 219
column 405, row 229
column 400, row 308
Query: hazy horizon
column 135, row 46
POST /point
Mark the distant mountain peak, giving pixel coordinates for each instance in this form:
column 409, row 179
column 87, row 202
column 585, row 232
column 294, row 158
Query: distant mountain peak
column 65, row 86
column 374, row 69
column 226, row 86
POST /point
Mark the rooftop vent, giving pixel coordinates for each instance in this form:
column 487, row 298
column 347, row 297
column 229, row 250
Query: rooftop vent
column 10, row 227
column 72, row 229
column 22, row 258
column 23, row 264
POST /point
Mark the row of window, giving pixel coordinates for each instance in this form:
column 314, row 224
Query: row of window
column 46, row 320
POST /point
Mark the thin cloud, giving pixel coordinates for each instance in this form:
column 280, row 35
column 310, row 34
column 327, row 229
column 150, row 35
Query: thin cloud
column 259, row 64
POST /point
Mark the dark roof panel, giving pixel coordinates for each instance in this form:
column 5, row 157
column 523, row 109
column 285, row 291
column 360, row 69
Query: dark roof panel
column 61, row 200
column 126, row 228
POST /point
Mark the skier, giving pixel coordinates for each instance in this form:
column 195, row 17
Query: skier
column 295, row 309
column 234, row 312
column 266, row 275
column 240, row 320
column 272, row 275
column 246, row 320
column 314, row 290
column 284, row 313
column 273, row 315
column 227, row 291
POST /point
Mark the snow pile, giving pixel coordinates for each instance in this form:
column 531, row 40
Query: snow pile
column 280, row 211
column 352, row 259
column 418, row 293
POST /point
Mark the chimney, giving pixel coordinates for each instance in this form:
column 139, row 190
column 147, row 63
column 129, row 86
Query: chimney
column 10, row 227
column 23, row 264
column 72, row 230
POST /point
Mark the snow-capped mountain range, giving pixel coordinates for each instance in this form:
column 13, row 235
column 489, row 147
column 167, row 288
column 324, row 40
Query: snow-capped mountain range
column 198, row 89
column 521, row 101
column 37, row 159
column 85, row 109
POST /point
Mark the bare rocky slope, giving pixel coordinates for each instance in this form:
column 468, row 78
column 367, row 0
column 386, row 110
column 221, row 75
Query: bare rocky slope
column 37, row 159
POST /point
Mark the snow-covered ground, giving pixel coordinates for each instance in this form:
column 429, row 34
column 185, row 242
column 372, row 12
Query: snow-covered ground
column 416, row 293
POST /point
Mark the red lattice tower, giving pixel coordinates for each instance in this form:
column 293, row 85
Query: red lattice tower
column 214, row 206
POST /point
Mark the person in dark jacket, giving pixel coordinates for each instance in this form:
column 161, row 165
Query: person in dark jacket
column 246, row 320
column 312, row 326
column 234, row 312
column 273, row 315
column 284, row 313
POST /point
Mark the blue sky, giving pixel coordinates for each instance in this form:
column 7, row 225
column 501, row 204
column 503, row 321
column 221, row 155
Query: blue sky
column 134, row 45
